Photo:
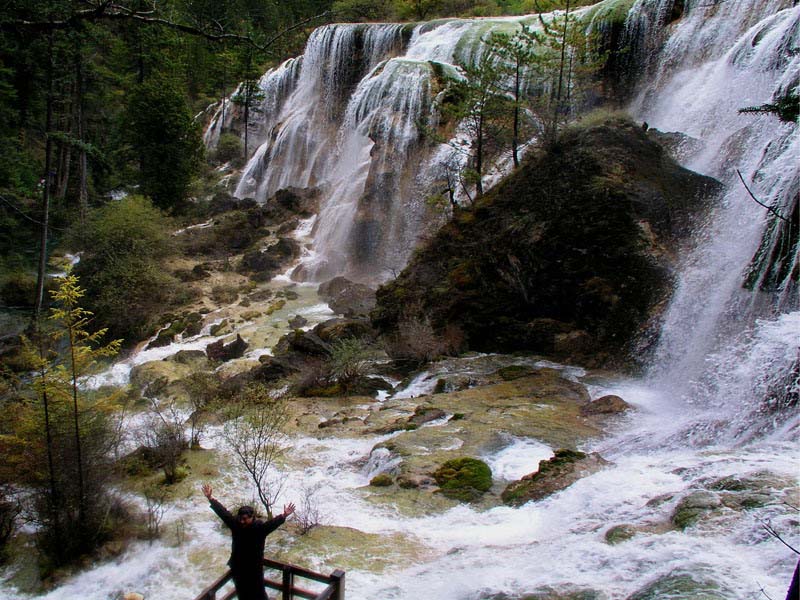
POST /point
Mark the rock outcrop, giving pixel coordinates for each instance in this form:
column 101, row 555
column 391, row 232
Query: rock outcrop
column 567, row 257
column 555, row 474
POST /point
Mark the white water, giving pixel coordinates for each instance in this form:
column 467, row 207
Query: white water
column 700, row 414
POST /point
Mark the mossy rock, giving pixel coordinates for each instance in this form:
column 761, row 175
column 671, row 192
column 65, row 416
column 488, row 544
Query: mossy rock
column 619, row 534
column 220, row 328
column 694, row 507
column 465, row 479
column 683, row 585
column 559, row 472
column 381, row 480
column 515, row 372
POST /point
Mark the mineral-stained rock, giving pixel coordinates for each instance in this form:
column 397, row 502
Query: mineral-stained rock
column 557, row 260
column 555, row 474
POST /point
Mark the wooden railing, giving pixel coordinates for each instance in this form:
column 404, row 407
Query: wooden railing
column 334, row 589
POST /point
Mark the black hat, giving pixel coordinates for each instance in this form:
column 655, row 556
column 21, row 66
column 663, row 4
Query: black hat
column 246, row 511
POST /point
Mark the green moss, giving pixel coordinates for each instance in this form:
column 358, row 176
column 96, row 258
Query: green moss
column 219, row 327
column 275, row 307
column 381, row 480
column 464, row 479
column 515, row 372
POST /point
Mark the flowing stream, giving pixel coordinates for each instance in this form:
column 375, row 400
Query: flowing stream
column 709, row 407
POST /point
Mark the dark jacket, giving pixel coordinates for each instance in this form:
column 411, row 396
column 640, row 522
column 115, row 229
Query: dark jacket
column 247, row 547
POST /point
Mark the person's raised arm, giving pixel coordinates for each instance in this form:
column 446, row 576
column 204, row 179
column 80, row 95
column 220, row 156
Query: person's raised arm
column 222, row 512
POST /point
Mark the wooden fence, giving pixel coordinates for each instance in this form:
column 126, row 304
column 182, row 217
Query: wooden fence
column 334, row 589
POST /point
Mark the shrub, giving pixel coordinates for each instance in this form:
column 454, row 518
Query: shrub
column 351, row 359
column 126, row 286
column 229, row 149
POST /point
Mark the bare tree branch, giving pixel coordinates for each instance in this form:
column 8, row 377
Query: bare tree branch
column 769, row 208
column 111, row 11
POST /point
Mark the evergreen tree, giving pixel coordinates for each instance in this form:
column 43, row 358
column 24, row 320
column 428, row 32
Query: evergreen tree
column 166, row 141
column 62, row 443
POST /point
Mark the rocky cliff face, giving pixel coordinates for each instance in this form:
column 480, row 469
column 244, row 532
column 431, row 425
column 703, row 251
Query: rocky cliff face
column 568, row 257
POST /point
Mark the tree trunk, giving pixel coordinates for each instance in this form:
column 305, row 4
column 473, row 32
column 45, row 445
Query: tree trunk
column 83, row 189
column 515, row 133
column 48, row 152
column 77, row 432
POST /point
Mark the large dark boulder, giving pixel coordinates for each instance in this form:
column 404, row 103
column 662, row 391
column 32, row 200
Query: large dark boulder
column 337, row 329
column 267, row 263
column 347, row 298
column 568, row 257
column 220, row 352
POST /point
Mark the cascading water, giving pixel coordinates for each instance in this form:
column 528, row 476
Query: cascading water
column 712, row 317
column 354, row 126
column 715, row 408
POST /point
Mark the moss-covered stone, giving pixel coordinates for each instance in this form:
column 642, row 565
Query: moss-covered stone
column 464, row 479
column 381, row 480
column 683, row 585
column 619, row 534
column 554, row 474
column 694, row 507
column 515, row 372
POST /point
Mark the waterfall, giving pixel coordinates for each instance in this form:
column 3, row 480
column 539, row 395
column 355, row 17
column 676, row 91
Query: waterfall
column 712, row 348
column 350, row 117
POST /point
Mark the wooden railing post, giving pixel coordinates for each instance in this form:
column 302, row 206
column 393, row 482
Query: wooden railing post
column 288, row 582
column 338, row 580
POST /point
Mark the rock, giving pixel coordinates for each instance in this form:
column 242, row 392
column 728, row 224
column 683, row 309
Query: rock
column 619, row 534
column 515, row 371
column 562, row 259
column 368, row 386
column 465, row 479
column 426, row 414
column 195, row 358
column 554, row 474
column 339, row 328
column 298, row 321
column 268, row 262
column 260, row 296
column 683, row 585
column 381, row 480
column 607, row 405
column 293, row 201
column 693, row 507
column 273, row 368
column 220, row 352
column 413, row 481
column 680, row 146
column 158, row 372
column 303, row 342
column 576, row 343
column 132, row 596
column 347, row 298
